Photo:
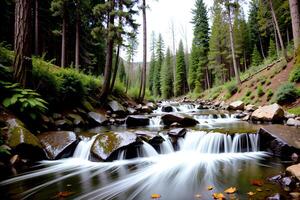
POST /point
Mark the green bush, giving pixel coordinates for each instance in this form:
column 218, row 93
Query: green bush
column 295, row 110
column 133, row 92
column 269, row 94
column 262, row 80
column 260, row 91
column 286, row 93
column 295, row 74
column 248, row 93
column 214, row 93
column 231, row 88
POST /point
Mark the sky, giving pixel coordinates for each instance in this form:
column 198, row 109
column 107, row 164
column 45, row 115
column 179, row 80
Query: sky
column 160, row 15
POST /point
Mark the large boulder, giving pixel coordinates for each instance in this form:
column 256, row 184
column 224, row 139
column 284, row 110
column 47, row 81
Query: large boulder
column 270, row 113
column 146, row 109
column 251, row 108
column 137, row 120
column 294, row 170
column 167, row 109
column 22, row 141
column 58, row 144
column 116, row 107
column 293, row 122
column 109, row 142
column 237, row 105
column 183, row 120
column 98, row 118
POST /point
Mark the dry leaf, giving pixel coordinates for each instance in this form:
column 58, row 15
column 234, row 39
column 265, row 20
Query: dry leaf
column 258, row 190
column 210, row 187
column 64, row 194
column 218, row 196
column 251, row 193
column 155, row 196
column 257, row 182
column 197, row 196
column 230, row 190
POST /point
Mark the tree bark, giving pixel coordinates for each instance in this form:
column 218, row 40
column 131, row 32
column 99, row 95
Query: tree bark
column 77, row 42
column 236, row 70
column 276, row 40
column 22, row 65
column 144, row 51
column 115, row 69
column 36, row 28
column 278, row 30
column 109, row 54
column 294, row 10
column 63, row 40
column 261, row 47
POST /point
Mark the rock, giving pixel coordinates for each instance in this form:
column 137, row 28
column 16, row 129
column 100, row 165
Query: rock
column 146, row 109
column 223, row 105
column 241, row 115
column 98, row 118
column 270, row 113
column 294, row 170
column 137, row 120
column 177, row 132
column 63, row 123
column 56, row 116
column 15, row 160
column 295, row 195
column 246, row 118
column 149, row 136
column 251, row 108
column 116, row 107
column 275, row 197
column 183, row 120
column 275, row 178
column 174, row 125
column 294, row 157
column 237, row 105
column 131, row 111
column 58, row 144
column 167, row 109
column 288, row 115
column 23, row 142
column 77, row 119
column 151, row 105
column 293, row 122
column 120, row 121
column 287, row 182
column 109, row 142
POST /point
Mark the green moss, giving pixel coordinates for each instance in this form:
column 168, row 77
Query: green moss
column 109, row 142
column 20, row 135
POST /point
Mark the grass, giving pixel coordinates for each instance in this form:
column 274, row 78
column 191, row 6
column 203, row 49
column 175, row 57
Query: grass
column 295, row 110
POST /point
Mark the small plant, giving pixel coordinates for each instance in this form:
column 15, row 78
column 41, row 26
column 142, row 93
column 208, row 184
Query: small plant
column 268, row 82
column 262, row 80
column 260, row 91
column 269, row 94
column 286, row 93
column 232, row 88
column 295, row 74
column 248, row 93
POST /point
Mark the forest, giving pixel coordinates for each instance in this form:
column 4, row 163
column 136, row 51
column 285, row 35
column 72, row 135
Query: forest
column 92, row 106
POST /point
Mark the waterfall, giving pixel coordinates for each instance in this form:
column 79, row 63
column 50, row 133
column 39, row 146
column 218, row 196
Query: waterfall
column 166, row 146
column 155, row 121
column 83, row 149
column 210, row 119
column 147, row 150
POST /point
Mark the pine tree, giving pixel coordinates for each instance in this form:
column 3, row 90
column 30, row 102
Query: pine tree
column 167, row 76
column 180, row 87
column 122, row 73
column 272, row 49
column 152, row 63
column 200, row 46
column 158, row 65
column 256, row 57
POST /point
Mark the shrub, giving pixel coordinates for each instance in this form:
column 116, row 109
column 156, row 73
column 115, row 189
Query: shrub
column 262, row 80
column 269, row 94
column 295, row 74
column 231, row 88
column 286, row 93
column 295, row 110
column 214, row 93
column 248, row 93
column 260, row 91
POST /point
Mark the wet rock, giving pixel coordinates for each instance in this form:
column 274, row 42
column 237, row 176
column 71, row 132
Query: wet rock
column 109, row 142
column 120, row 121
column 294, row 170
column 167, row 109
column 251, row 108
column 275, row 178
column 287, row 182
column 98, row 118
column 275, row 197
column 293, row 122
column 77, row 119
column 146, row 109
column 241, row 115
column 58, row 144
column 246, row 118
column 294, row 157
column 237, row 105
column 175, row 124
column 131, row 111
column 295, row 195
column 116, row 107
column 183, row 120
column 63, row 123
column 23, row 142
column 177, row 132
column 137, row 120
column 151, row 105
column 270, row 113
column 288, row 115
column 150, row 136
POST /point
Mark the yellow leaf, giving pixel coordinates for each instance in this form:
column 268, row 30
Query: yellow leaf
column 210, row 187
column 251, row 193
column 258, row 190
column 197, row 196
column 230, row 190
column 155, row 196
column 218, row 196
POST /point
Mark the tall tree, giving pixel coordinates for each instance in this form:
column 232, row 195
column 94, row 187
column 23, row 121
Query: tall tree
column 22, row 65
column 167, row 76
column 294, row 10
column 181, row 80
column 122, row 73
column 36, row 28
column 152, row 63
column 131, row 51
column 158, row 64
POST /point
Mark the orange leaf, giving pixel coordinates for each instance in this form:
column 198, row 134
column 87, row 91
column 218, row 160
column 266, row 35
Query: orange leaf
column 155, row 196
column 257, row 182
column 210, row 187
column 230, row 190
column 218, row 196
column 251, row 193
column 64, row 194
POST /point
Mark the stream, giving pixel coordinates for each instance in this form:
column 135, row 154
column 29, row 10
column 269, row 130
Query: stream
column 221, row 151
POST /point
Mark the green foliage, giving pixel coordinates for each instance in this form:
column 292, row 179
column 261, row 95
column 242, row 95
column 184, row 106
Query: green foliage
column 272, row 50
column 122, row 73
column 6, row 56
column 248, row 93
column 256, row 57
column 24, row 101
column 231, row 88
column 295, row 74
column 260, row 91
column 269, row 94
column 180, row 78
column 158, row 66
column 214, row 93
column 133, row 92
column 295, row 110
column 262, row 80
column 119, row 88
column 286, row 93
column 166, row 78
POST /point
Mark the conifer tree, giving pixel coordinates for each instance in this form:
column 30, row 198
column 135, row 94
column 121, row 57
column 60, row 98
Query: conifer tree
column 122, row 73
column 181, row 80
column 256, row 57
column 152, row 63
column 167, row 76
column 272, row 49
column 158, row 65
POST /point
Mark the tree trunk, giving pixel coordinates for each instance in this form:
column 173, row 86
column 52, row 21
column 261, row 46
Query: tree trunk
column 144, row 51
column 277, row 29
column 77, row 42
column 115, row 69
column 236, row 70
column 276, row 40
column 63, row 41
column 287, row 36
column 109, row 54
column 36, row 28
column 294, row 8
column 22, row 65
column 261, row 47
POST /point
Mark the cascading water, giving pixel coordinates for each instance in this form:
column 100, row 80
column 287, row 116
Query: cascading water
column 166, row 146
column 147, row 150
column 155, row 122
column 83, row 148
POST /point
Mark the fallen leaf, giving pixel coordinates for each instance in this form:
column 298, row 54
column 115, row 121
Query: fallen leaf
column 155, row 196
column 64, row 194
column 251, row 193
column 257, row 182
column 219, row 196
column 230, row 190
column 197, row 196
column 210, row 187
column 258, row 190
